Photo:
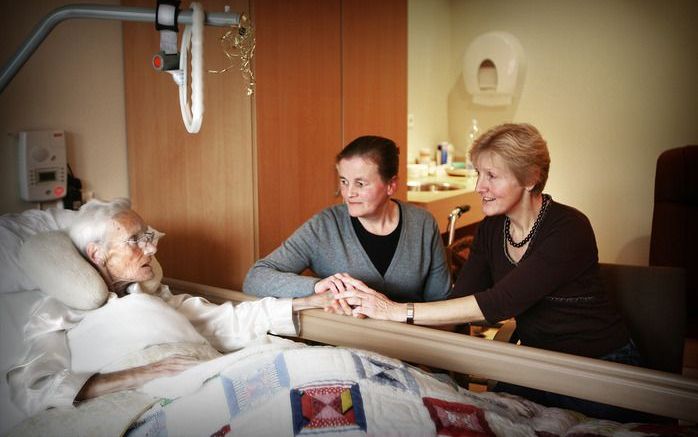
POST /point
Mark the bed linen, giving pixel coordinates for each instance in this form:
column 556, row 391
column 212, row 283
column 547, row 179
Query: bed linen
column 295, row 390
column 285, row 388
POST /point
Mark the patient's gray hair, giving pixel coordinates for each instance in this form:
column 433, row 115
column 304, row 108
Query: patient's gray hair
column 91, row 221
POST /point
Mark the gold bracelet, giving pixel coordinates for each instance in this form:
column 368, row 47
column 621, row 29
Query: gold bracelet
column 410, row 313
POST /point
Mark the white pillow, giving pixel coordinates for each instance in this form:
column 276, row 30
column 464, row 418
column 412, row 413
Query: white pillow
column 17, row 228
column 54, row 264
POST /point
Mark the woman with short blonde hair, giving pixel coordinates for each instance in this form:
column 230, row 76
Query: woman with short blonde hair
column 532, row 259
column 522, row 147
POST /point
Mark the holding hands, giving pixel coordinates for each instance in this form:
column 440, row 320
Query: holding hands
column 334, row 285
column 355, row 298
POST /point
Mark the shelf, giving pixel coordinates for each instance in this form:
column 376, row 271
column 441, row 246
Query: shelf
column 441, row 203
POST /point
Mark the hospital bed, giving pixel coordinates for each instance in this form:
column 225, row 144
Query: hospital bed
column 366, row 373
column 646, row 390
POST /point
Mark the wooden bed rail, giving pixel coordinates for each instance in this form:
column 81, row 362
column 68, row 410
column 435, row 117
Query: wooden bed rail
column 651, row 391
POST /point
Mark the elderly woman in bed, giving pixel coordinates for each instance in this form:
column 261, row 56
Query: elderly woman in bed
column 106, row 345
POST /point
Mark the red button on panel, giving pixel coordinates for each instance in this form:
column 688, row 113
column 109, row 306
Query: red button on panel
column 58, row 191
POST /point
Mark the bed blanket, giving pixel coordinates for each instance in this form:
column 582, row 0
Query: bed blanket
column 294, row 390
column 284, row 388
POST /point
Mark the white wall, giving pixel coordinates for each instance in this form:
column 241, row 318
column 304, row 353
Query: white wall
column 73, row 82
column 429, row 72
column 610, row 85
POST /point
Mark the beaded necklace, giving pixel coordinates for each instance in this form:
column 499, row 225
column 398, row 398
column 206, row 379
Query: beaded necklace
column 507, row 223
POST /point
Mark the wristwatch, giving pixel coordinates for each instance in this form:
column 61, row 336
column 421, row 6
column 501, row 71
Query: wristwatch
column 410, row 313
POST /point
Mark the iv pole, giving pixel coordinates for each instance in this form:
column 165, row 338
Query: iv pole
column 105, row 12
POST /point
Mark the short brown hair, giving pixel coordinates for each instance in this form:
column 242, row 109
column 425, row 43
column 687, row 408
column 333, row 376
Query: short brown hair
column 382, row 151
column 523, row 149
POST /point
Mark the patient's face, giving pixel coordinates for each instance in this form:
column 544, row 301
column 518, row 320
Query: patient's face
column 128, row 262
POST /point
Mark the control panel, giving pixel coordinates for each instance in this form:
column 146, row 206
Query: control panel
column 42, row 165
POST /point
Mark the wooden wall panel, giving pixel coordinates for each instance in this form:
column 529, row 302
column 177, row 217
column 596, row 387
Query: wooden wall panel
column 374, row 73
column 298, row 113
column 199, row 189
column 327, row 72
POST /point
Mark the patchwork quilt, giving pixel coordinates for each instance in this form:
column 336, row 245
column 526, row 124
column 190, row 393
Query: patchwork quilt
column 297, row 390
column 285, row 388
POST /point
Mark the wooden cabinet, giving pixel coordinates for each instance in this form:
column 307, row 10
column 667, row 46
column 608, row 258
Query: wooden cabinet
column 198, row 189
column 327, row 71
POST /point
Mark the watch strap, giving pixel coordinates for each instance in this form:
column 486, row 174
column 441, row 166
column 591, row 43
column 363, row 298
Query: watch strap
column 410, row 313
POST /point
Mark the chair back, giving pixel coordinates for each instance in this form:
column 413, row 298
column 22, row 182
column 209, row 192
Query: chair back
column 652, row 303
column 674, row 238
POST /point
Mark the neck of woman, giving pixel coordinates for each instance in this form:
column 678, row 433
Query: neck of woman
column 383, row 221
column 115, row 286
column 119, row 288
column 524, row 217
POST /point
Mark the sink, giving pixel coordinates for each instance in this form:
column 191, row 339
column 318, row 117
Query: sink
column 432, row 186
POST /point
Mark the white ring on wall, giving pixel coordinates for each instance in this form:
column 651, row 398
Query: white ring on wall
column 193, row 36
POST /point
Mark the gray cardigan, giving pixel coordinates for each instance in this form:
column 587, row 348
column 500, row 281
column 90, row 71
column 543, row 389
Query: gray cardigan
column 327, row 244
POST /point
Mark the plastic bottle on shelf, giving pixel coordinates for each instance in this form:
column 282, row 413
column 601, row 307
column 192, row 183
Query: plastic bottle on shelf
column 473, row 133
column 444, row 153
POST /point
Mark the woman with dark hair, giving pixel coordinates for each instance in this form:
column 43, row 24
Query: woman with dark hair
column 391, row 245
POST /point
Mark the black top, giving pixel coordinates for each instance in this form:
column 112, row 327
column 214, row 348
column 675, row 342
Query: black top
column 379, row 248
column 554, row 291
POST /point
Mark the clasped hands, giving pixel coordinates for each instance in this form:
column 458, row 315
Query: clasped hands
column 352, row 297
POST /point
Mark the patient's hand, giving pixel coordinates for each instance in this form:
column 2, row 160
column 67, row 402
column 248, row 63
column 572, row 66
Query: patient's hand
column 335, row 285
column 318, row 300
column 130, row 379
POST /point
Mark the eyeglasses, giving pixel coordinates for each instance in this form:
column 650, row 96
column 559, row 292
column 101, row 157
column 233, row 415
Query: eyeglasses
column 151, row 236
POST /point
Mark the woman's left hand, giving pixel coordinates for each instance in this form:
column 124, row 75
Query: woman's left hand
column 367, row 302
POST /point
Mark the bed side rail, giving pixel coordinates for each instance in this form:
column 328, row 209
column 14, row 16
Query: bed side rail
column 651, row 391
